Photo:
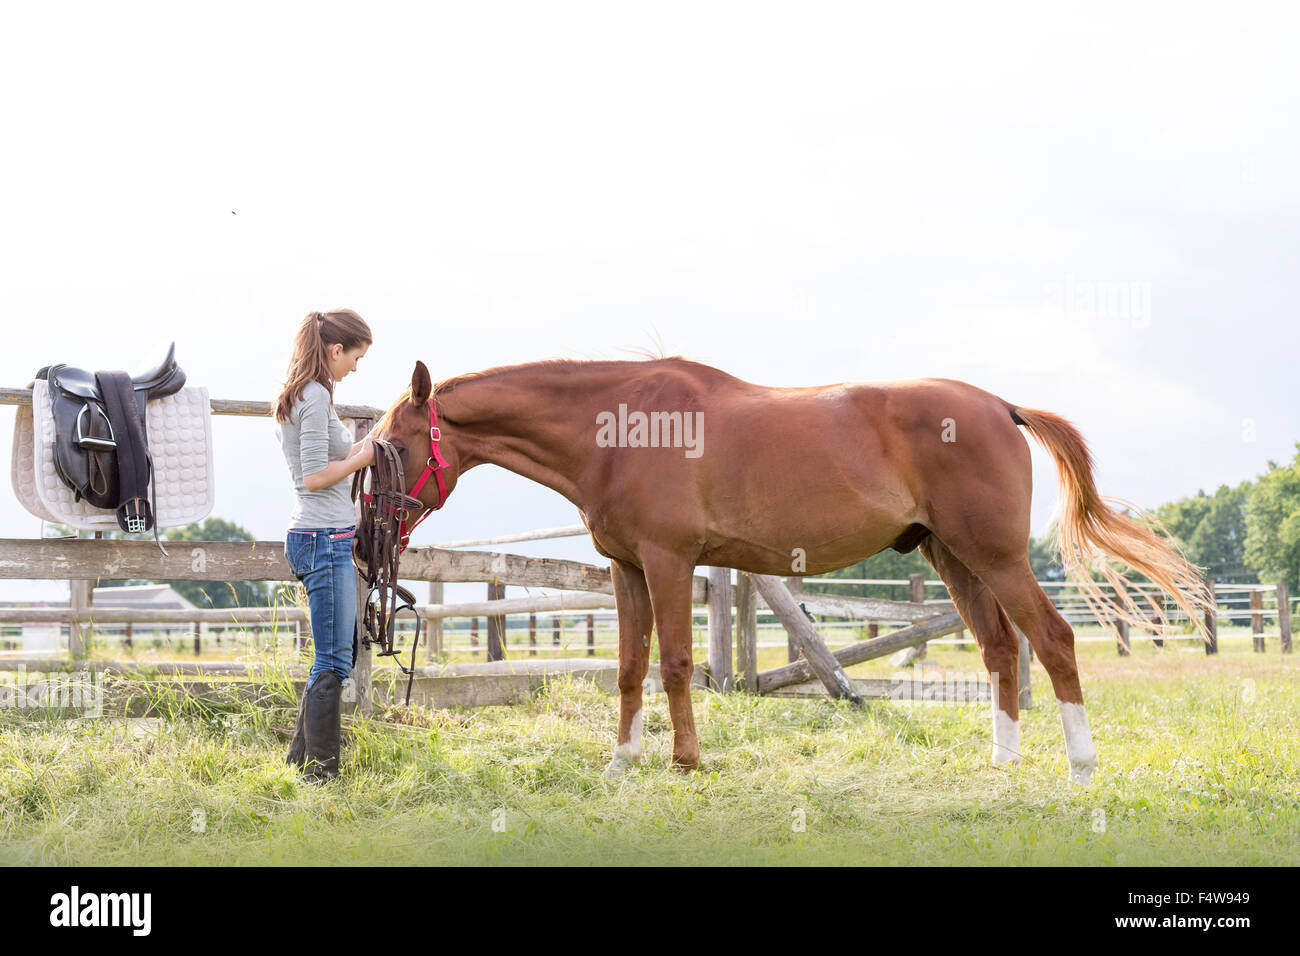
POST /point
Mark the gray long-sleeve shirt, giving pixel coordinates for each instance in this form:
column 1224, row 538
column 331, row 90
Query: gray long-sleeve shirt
column 311, row 437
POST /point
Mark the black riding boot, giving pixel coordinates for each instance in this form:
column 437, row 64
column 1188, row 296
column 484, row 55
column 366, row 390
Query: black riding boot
column 298, row 746
column 322, row 730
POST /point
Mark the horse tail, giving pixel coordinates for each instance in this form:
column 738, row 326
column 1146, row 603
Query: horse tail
column 1091, row 526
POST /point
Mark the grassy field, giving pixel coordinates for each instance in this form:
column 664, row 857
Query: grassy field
column 1200, row 765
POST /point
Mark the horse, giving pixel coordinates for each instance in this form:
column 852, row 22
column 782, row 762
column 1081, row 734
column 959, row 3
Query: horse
column 673, row 464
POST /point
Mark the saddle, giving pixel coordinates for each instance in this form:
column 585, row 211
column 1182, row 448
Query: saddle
column 101, row 448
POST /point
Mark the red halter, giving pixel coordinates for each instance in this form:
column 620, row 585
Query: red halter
column 430, row 470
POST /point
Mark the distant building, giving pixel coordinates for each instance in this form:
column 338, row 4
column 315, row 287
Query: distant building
column 155, row 597
column 45, row 639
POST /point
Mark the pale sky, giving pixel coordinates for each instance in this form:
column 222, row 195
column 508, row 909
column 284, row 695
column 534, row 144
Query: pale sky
column 1090, row 209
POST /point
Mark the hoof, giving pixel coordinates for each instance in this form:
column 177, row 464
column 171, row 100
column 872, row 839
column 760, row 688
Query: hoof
column 617, row 767
column 1003, row 757
column 1081, row 773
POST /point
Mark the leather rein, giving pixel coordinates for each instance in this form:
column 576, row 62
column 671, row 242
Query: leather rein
column 383, row 534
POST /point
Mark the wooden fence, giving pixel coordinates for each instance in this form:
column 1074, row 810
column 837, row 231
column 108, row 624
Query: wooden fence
column 732, row 609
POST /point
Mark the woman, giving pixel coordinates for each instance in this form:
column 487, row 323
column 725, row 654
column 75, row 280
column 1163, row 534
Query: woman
column 318, row 545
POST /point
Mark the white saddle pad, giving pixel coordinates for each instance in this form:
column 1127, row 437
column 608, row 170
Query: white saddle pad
column 180, row 440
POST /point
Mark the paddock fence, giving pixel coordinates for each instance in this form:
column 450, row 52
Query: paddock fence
column 733, row 617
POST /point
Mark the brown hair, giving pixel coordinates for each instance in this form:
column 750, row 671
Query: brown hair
column 310, row 361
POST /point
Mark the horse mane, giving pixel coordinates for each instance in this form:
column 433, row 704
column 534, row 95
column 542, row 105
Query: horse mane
column 557, row 364
column 448, row 385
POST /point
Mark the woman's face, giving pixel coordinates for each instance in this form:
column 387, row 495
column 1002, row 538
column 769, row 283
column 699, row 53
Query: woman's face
column 344, row 361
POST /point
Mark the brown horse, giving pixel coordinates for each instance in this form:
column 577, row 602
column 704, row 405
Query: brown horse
column 674, row 464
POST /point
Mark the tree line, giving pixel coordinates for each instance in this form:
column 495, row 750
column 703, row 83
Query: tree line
column 1247, row 534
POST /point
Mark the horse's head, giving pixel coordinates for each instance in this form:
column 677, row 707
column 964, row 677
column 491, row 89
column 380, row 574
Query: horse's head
column 407, row 425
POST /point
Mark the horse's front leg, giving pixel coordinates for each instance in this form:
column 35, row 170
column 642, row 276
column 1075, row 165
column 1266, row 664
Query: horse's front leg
column 669, row 577
column 635, row 620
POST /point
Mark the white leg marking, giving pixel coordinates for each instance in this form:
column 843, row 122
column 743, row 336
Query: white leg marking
column 1078, row 742
column 625, row 755
column 1006, row 738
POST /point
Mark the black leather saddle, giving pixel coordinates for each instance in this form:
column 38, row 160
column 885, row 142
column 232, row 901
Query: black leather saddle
column 101, row 447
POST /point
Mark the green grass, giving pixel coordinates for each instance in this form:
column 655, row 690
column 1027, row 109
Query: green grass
column 1200, row 766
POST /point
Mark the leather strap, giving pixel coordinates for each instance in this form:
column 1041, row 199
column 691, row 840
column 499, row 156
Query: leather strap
column 377, row 550
column 433, row 468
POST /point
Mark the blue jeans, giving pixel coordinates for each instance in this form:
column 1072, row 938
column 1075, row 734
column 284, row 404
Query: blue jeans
column 321, row 558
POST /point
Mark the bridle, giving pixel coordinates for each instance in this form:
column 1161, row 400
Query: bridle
column 433, row 468
column 382, row 527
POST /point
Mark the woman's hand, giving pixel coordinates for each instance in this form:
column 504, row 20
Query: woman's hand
column 339, row 469
column 364, row 456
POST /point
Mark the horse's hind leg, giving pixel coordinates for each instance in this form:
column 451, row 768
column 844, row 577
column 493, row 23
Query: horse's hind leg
column 635, row 620
column 1012, row 582
column 998, row 643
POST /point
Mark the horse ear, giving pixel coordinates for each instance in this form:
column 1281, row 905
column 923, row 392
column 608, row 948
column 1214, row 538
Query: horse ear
column 421, row 384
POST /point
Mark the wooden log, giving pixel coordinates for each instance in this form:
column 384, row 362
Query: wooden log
column 901, row 688
column 87, row 558
column 817, row 656
column 861, row 651
column 168, row 668
column 867, row 609
column 139, row 615
column 364, row 666
column 1024, row 678
column 91, row 559
column 746, row 633
column 433, row 647
column 562, row 602
column 434, row 564
column 916, row 597
column 1212, row 629
column 1257, row 620
column 541, row 534
column 719, row 606
column 496, row 624
column 219, row 406
column 1284, row 615
column 80, row 595
column 794, row 584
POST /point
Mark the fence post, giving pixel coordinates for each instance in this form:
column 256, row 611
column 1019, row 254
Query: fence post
column 591, row 635
column 433, row 645
column 364, row 668
column 1257, row 620
column 719, row 607
column 795, row 585
column 555, row 630
column 532, row 635
column 1121, row 638
column 1284, row 615
column 1022, row 673
column 80, row 595
column 1212, row 622
column 473, row 634
column 916, row 595
column 746, row 633
column 496, row 624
